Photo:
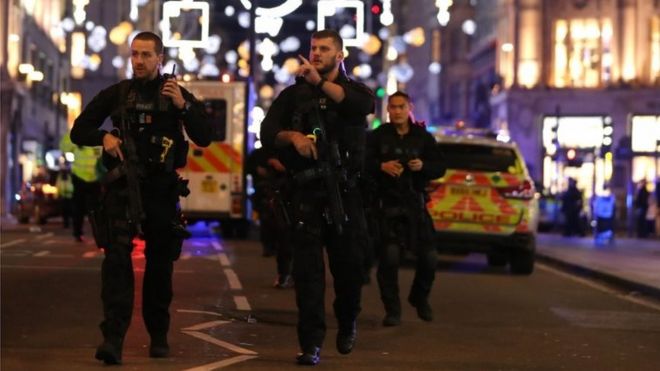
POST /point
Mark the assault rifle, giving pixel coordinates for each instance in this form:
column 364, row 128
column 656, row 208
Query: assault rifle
column 329, row 169
column 131, row 169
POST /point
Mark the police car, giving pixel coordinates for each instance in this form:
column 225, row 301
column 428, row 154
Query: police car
column 486, row 202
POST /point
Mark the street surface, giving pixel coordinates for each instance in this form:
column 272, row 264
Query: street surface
column 226, row 314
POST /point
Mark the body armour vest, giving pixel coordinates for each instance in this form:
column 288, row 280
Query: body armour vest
column 154, row 125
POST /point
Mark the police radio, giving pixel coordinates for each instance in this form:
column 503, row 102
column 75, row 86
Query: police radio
column 165, row 102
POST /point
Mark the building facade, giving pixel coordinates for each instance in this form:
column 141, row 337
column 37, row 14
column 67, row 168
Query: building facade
column 575, row 82
column 34, row 71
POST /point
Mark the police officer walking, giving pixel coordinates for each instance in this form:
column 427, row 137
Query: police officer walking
column 86, row 174
column 402, row 157
column 319, row 124
column 156, row 110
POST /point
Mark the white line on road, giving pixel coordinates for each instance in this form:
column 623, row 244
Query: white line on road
column 601, row 287
column 41, row 253
column 205, row 325
column 216, row 245
column 222, row 364
column 45, row 235
column 12, row 243
column 234, row 282
column 242, row 303
column 199, row 312
column 220, row 343
column 224, row 260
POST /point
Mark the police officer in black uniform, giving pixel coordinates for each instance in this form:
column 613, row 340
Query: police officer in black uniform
column 157, row 109
column 401, row 156
column 269, row 181
column 323, row 95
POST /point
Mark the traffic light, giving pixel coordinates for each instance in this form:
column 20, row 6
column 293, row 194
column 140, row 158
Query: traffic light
column 376, row 8
column 380, row 92
column 376, row 123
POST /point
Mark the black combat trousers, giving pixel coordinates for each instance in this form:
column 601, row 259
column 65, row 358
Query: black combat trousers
column 401, row 230
column 310, row 234
column 160, row 206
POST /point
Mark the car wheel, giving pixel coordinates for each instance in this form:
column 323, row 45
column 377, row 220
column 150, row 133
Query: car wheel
column 496, row 260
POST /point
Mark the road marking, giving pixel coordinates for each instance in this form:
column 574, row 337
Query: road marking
column 220, row 343
column 42, row 253
column 242, row 303
column 199, row 312
column 45, row 235
column 601, row 287
column 222, row 364
column 205, row 325
column 216, row 245
column 234, row 282
column 12, row 243
column 50, row 242
column 224, row 260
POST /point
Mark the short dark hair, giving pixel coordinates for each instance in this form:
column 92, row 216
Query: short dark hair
column 332, row 34
column 150, row 36
column 399, row 93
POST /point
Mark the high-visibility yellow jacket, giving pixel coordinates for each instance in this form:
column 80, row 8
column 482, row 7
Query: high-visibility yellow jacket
column 86, row 164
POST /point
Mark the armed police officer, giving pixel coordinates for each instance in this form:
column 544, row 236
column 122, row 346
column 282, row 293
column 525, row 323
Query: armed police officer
column 319, row 125
column 142, row 153
column 402, row 157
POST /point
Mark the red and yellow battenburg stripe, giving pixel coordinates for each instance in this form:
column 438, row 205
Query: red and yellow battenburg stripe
column 218, row 157
column 479, row 206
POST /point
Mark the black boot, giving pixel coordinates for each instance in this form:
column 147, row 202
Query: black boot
column 346, row 338
column 110, row 351
column 159, row 347
column 391, row 319
column 424, row 310
column 310, row 356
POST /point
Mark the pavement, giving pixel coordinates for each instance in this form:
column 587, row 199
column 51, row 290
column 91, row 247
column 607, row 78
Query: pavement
column 630, row 263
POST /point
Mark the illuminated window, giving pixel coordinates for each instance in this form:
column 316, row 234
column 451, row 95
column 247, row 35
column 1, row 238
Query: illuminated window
column 645, row 133
column 655, row 50
column 582, row 53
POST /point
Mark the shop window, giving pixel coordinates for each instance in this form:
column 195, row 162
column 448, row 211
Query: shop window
column 582, row 53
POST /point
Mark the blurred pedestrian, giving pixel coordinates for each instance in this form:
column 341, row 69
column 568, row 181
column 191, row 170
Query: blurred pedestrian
column 571, row 207
column 641, row 206
column 86, row 172
column 64, row 185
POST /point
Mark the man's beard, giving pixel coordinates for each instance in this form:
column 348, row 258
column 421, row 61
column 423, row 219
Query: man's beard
column 328, row 68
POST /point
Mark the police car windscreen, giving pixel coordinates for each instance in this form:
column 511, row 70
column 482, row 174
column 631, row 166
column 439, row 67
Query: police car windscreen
column 216, row 111
column 477, row 157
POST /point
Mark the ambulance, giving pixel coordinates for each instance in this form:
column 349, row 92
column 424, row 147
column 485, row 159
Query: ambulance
column 215, row 173
column 486, row 201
